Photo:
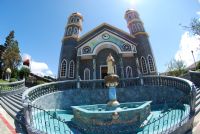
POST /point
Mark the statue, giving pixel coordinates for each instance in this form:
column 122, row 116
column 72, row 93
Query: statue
column 111, row 81
column 110, row 63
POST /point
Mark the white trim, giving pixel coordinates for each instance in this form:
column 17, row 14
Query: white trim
column 104, row 45
column 152, row 63
column 65, row 69
column 99, row 35
column 71, row 62
column 142, row 65
column 86, row 69
column 131, row 75
column 107, row 66
column 93, row 30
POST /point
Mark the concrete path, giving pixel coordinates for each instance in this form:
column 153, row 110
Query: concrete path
column 6, row 123
column 196, row 129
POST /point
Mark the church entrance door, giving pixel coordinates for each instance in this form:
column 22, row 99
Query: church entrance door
column 103, row 71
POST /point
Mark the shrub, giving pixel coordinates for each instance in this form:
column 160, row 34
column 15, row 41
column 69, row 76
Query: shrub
column 13, row 80
column 40, row 82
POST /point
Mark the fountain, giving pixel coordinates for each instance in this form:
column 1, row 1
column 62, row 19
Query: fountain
column 100, row 118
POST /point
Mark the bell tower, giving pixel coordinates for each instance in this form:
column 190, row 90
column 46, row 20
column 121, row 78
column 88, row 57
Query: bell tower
column 145, row 58
column 134, row 23
column 74, row 26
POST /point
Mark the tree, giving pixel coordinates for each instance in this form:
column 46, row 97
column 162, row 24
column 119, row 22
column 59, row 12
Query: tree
column 11, row 56
column 24, row 72
column 198, row 66
column 176, row 67
column 195, row 26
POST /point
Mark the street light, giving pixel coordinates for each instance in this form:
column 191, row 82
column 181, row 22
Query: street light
column 194, row 59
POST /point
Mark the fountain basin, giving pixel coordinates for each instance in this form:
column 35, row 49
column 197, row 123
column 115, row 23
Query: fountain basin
column 125, row 114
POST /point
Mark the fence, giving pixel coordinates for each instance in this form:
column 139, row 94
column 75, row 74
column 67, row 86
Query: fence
column 174, row 116
column 61, row 126
column 7, row 87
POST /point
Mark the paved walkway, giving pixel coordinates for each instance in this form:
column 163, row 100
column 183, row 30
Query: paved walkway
column 196, row 129
column 6, row 123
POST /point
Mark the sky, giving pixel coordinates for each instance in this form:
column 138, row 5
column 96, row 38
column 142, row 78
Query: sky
column 39, row 26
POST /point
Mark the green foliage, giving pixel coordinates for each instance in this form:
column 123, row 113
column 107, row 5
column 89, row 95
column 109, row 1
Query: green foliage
column 13, row 80
column 176, row 68
column 198, row 65
column 11, row 56
column 15, row 73
column 195, row 26
column 40, row 82
column 24, row 72
column 3, row 81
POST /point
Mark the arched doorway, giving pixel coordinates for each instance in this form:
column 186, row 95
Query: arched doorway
column 102, row 65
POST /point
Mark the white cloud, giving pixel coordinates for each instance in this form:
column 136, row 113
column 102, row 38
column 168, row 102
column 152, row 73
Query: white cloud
column 198, row 13
column 38, row 68
column 188, row 43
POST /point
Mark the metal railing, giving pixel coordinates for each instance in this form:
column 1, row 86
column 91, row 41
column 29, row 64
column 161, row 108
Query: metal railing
column 6, row 87
column 40, row 90
column 174, row 116
column 33, row 93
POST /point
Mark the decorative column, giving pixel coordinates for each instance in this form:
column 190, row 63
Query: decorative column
column 77, row 66
column 94, row 66
column 94, row 70
column 139, row 72
column 77, row 72
column 121, row 66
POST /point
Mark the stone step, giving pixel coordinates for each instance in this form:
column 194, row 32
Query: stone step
column 197, row 109
column 198, row 96
column 13, row 108
column 198, row 91
column 12, row 113
column 18, row 95
column 14, row 104
column 15, row 100
column 197, row 102
column 17, row 116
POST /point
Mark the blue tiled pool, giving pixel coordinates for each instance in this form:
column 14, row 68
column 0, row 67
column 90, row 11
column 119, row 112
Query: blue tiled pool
column 58, row 121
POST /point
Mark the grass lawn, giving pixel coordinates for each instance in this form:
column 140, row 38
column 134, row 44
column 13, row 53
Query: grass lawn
column 3, row 81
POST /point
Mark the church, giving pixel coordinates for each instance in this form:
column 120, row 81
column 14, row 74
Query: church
column 85, row 57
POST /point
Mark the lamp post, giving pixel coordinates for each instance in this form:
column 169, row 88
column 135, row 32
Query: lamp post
column 194, row 59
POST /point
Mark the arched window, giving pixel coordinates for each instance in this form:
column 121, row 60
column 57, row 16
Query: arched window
column 77, row 19
column 134, row 28
column 63, row 68
column 140, row 27
column 129, row 73
column 87, row 74
column 71, row 69
column 72, row 20
column 69, row 31
column 75, row 30
column 151, row 63
column 143, row 65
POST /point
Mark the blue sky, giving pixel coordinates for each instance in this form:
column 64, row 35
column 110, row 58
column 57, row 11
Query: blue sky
column 39, row 25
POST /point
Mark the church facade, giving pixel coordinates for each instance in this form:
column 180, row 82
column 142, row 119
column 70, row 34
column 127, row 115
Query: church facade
column 85, row 56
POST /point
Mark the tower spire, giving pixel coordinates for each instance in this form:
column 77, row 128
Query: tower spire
column 134, row 23
column 74, row 26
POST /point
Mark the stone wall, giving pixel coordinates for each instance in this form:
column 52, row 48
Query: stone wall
column 67, row 98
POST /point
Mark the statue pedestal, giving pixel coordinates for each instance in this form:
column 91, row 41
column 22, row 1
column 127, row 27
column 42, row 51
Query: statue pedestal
column 111, row 81
column 112, row 97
